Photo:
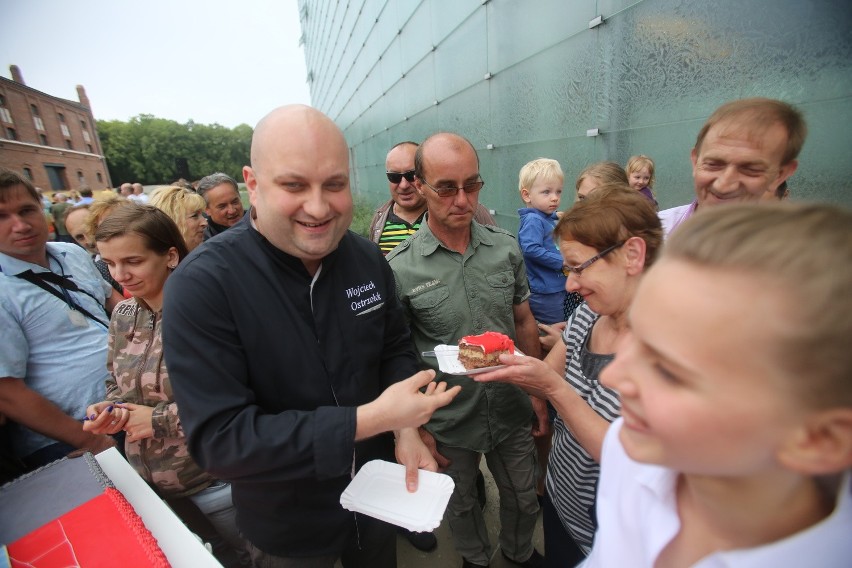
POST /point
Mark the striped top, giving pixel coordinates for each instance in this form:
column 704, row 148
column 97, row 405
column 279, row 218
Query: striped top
column 397, row 230
column 572, row 474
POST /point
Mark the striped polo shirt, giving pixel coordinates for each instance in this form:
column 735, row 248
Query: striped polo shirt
column 397, row 230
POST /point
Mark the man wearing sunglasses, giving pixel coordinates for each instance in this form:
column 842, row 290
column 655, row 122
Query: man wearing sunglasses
column 456, row 277
column 401, row 216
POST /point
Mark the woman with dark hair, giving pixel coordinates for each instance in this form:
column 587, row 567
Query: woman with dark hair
column 142, row 246
column 607, row 240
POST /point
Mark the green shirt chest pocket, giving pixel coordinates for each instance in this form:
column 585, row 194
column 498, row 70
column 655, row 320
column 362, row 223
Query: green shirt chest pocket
column 502, row 288
column 436, row 314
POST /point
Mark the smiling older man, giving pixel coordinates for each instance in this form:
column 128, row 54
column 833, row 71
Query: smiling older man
column 746, row 149
column 224, row 205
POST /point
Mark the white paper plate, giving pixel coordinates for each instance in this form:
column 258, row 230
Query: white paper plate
column 378, row 490
column 448, row 361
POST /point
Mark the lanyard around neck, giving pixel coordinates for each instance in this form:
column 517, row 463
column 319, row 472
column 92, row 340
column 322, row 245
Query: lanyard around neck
column 65, row 285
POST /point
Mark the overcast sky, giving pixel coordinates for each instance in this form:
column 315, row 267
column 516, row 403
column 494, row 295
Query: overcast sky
column 212, row 61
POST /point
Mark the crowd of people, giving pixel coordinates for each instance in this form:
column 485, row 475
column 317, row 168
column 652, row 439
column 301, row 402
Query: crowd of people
column 680, row 394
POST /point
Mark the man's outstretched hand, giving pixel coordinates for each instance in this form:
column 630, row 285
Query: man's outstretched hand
column 404, row 405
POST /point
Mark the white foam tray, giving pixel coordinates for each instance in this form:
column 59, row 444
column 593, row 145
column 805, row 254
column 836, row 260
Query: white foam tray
column 378, row 490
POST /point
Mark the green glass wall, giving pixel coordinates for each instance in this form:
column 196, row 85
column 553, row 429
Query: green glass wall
column 523, row 79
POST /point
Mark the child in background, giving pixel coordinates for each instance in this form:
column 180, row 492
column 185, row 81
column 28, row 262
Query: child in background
column 640, row 173
column 735, row 442
column 540, row 183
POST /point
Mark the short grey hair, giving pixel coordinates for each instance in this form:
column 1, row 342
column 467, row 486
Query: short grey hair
column 207, row 183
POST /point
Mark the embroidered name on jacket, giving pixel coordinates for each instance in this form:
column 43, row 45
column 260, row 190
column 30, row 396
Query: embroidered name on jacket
column 364, row 304
column 423, row 287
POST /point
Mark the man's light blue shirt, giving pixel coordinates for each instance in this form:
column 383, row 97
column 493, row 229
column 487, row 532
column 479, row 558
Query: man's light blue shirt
column 61, row 361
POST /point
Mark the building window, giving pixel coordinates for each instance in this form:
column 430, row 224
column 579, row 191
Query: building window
column 85, row 129
column 11, row 134
column 28, row 173
column 43, row 139
column 89, row 146
column 81, row 179
column 39, row 125
column 62, row 126
column 100, row 177
column 68, row 144
column 5, row 116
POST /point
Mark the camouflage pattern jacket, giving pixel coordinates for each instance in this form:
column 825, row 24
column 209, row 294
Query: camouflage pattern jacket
column 138, row 374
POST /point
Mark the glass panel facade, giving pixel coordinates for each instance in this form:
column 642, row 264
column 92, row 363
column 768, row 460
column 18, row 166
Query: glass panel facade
column 647, row 77
column 462, row 57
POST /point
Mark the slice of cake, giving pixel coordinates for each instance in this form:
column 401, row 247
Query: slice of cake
column 484, row 350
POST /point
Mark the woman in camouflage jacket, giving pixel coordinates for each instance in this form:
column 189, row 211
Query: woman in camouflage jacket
column 142, row 245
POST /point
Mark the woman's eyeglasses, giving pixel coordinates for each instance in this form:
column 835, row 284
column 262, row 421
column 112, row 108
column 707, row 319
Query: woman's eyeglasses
column 396, row 177
column 577, row 270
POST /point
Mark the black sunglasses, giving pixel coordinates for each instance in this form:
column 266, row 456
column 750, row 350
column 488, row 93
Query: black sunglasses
column 396, row 177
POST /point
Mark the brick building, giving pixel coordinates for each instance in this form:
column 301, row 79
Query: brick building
column 52, row 141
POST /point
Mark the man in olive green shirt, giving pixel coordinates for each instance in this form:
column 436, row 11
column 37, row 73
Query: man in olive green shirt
column 456, row 277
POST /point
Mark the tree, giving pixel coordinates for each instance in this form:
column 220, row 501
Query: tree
column 144, row 149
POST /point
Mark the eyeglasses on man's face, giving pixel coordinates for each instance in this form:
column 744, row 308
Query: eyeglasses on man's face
column 578, row 270
column 450, row 190
column 396, row 177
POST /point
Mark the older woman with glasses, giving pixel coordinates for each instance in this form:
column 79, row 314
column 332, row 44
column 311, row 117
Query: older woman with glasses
column 607, row 240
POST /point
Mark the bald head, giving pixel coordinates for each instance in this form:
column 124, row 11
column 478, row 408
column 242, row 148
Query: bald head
column 75, row 223
column 442, row 142
column 289, row 121
column 444, row 164
column 403, row 148
column 298, row 183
